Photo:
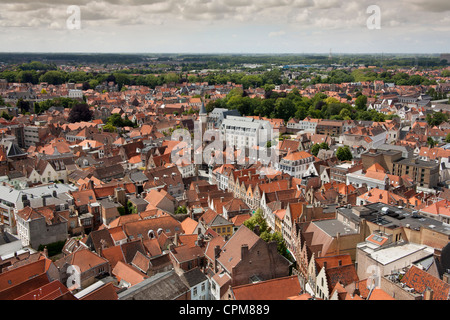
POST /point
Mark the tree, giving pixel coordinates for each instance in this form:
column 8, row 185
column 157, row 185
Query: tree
column 80, row 112
column 431, row 142
column 344, row 153
column 6, row 116
column 345, row 114
column 116, row 120
column 278, row 238
column 181, row 210
column 257, row 219
column 53, row 77
column 361, row 102
column 24, row 106
column 264, row 232
column 316, row 148
column 109, row 128
column 284, row 109
column 436, row 118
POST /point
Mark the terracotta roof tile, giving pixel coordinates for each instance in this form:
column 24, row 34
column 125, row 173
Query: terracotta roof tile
column 50, row 291
column 152, row 247
column 123, row 271
column 419, row 280
column 231, row 251
column 189, row 225
column 106, row 292
column 275, row 289
column 345, row 275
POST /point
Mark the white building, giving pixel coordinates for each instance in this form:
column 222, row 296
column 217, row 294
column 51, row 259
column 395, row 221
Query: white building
column 198, row 282
column 9, row 243
column 295, row 164
column 75, row 94
column 376, row 256
column 308, row 124
column 243, row 132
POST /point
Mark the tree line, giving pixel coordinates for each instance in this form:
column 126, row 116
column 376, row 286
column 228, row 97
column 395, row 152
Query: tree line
column 280, row 105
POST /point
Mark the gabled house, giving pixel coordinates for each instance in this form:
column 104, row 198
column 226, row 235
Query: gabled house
column 36, row 226
column 246, row 258
column 81, row 268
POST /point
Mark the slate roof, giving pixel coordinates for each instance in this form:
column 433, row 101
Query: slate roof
column 162, row 286
column 193, row 277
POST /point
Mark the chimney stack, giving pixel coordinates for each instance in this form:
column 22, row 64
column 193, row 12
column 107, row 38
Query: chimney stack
column 217, row 251
column 428, row 294
column 257, row 229
column 176, row 240
column 244, row 251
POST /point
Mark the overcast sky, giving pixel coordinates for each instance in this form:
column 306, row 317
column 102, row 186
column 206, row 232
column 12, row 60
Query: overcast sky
column 225, row 26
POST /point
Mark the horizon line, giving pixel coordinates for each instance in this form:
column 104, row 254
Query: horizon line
column 226, row 53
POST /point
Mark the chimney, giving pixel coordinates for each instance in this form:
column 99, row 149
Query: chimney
column 428, row 294
column 257, row 229
column 446, row 277
column 217, row 251
column 200, row 240
column 46, row 252
column 244, row 251
column 437, row 254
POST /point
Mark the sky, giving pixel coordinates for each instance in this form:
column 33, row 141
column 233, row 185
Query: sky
column 225, row 26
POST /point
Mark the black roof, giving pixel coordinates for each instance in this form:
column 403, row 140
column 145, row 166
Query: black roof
column 193, row 277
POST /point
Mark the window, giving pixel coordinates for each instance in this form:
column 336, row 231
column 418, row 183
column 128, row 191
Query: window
column 194, row 291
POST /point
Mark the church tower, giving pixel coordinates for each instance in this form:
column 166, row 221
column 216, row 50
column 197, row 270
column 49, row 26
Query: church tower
column 203, row 117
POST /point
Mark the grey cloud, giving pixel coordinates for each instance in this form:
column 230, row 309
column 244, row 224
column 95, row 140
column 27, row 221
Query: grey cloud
column 326, row 14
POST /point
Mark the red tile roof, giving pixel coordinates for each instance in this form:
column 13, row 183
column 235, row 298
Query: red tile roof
column 231, row 251
column 275, row 289
column 419, row 280
column 141, row 228
column 106, row 292
column 345, row 275
column 50, row 291
column 123, row 271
